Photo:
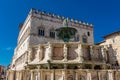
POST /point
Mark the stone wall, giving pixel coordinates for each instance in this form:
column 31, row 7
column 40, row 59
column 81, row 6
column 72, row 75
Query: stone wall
column 63, row 74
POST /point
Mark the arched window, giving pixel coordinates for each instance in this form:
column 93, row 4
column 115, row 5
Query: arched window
column 84, row 38
column 41, row 32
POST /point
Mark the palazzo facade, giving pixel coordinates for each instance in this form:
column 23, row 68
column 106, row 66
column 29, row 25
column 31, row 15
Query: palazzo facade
column 41, row 55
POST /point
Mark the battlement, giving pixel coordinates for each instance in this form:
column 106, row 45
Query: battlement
column 38, row 13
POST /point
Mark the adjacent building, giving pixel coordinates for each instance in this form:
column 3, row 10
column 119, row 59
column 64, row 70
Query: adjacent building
column 112, row 46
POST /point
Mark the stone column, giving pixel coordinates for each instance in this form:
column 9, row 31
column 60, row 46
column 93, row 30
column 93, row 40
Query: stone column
column 30, row 56
column 38, row 72
column 53, row 75
column 12, row 75
column 32, row 75
column 76, row 77
column 24, row 75
column 88, row 75
column 64, row 74
column 65, row 52
column 110, row 75
column 49, row 51
column 103, row 54
column 91, row 53
column 99, row 73
column 7, row 75
column 42, row 76
column 80, row 53
column 18, row 75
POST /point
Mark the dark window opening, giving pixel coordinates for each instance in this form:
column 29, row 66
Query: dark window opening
column 117, row 64
column 84, row 40
column 55, row 67
column 52, row 34
column 97, row 67
column 41, row 32
column 88, row 33
column 87, row 66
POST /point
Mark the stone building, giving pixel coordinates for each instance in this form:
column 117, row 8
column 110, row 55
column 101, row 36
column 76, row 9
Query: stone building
column 41, row 55
column 111, row 44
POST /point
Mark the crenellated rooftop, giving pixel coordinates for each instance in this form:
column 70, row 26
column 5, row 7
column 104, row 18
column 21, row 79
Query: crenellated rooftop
column 35, row 11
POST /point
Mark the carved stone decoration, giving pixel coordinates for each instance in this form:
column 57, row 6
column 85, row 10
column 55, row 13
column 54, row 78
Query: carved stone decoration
column 94, row 75
column 57, row 53
column 117, row 75
column 89, row 76
column 72, row 53
column 103, row 75
column 47, row 77
column 30, row 54
column 39, row 53
column 91, row 52
column 110, row 75
column 65, row 52
column 49, row 51
column 58, row 77
column 103, row 54
column 70, row 77
column 82, row 75
column 80, row 53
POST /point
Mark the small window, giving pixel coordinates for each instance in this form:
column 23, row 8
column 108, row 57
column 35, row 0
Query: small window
column 84, row 40
column 52, row 34
column 88, row 33
column 41, row 32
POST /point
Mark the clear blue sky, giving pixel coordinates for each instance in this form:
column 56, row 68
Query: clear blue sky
column 103, row 14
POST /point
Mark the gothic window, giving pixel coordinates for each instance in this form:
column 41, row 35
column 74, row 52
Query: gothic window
column 52, row 33
column 88, row 33
column 84, row 38
column 41, row 32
